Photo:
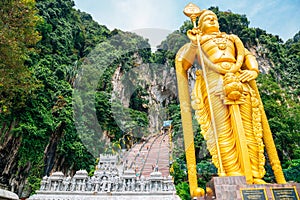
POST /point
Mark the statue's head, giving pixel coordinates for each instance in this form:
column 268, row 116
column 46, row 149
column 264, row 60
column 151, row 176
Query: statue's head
column 208, row 22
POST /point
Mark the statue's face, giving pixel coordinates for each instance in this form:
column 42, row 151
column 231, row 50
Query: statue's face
column 210, row 24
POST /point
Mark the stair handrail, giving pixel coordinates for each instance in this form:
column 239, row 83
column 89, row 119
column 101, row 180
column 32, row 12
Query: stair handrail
column 142, row 169
column 158, row 154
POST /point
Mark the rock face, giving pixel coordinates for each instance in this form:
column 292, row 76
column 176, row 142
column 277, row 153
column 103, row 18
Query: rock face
column 260, row 53
column 158, row 82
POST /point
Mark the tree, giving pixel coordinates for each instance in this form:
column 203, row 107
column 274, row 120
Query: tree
column 18, row 36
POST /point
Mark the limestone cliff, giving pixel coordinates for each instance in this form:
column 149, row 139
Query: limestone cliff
column 159, row 85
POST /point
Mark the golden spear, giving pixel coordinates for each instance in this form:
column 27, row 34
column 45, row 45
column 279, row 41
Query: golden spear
column 193, row 11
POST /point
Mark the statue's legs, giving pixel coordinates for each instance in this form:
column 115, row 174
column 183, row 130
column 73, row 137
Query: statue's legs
column 226, row 139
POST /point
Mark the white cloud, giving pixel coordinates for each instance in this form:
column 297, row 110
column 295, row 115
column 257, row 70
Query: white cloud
column 136, row 14
column 151, row 19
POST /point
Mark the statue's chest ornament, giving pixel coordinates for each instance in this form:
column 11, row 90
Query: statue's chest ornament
column 221, row 41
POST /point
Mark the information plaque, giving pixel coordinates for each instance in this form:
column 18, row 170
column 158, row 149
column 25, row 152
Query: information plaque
column 289, row 193
column 253, row 194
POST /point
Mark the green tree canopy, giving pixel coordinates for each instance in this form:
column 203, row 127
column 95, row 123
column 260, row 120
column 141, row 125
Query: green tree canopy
column 18, row 36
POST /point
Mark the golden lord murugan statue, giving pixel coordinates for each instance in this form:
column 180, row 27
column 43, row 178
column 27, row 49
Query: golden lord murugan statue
column 226, row 102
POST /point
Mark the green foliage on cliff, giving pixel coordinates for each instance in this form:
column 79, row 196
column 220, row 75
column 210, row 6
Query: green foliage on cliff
column 42, row 134
column 46, row 126
column 99, row 75
column 18, row 35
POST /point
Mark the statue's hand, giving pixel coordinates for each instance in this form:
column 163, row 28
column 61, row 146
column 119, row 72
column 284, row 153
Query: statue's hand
column 248, row 75
column 192, row 35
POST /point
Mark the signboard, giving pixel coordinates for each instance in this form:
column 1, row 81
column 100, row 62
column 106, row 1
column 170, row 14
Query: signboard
column 167, row 123
column 288, row 193
column 253, row 194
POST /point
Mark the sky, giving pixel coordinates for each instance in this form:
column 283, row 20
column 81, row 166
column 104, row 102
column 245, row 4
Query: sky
column 161, row 17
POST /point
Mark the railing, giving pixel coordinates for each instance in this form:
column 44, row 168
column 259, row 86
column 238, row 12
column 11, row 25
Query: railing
column 162, row 151
column 159, row 149
column 138, row 153
column 147, row 156
column 125, row 159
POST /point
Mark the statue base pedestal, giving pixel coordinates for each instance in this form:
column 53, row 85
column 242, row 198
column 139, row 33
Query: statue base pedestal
column 235, row 187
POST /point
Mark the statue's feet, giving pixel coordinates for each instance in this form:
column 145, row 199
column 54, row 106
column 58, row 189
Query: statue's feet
column 259, row 181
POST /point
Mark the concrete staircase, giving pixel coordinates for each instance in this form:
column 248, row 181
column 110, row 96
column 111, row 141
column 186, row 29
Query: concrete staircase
column 150, row 155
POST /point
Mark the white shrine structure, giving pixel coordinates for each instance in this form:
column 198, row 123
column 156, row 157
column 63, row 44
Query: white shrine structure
column 115, row 178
